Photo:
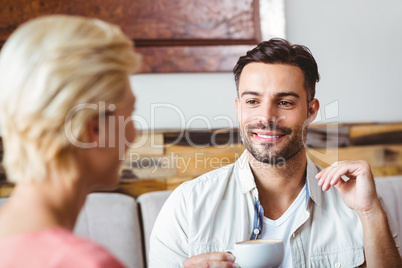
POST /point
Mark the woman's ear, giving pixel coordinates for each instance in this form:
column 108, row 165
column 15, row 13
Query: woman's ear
column 93, row 129
column 313, row 108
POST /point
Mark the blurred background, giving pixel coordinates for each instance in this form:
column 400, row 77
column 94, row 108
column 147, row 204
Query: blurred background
column 186, row 89
column 357, row 45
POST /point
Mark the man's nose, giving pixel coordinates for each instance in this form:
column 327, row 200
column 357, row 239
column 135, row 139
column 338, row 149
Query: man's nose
column 268, row 113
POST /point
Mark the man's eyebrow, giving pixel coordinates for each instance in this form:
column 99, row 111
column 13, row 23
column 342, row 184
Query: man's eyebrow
column 285, row 94
column 248, row 92
column 280, row 94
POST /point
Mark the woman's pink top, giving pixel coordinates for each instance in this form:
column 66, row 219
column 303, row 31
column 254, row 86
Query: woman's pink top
column 57, row 247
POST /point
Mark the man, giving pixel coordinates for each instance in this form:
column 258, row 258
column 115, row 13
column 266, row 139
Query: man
column 272, row 190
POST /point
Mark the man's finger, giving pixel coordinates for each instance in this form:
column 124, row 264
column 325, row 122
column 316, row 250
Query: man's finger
column 210, row 257
column 222, row 264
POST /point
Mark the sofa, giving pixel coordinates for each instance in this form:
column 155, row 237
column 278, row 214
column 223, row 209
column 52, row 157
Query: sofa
column 123, row 224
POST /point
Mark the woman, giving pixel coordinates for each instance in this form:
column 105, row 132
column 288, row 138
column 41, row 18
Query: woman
column 65, row 109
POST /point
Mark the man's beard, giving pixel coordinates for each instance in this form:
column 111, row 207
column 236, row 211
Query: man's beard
column 264, row 152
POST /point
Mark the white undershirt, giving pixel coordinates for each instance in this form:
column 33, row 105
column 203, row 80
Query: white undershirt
column 283, row 227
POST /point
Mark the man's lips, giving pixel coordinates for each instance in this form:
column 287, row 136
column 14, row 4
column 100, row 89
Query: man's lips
column 268, row 136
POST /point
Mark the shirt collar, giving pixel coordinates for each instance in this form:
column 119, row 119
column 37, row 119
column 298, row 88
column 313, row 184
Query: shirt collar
column 246, row 179
column 313, row 189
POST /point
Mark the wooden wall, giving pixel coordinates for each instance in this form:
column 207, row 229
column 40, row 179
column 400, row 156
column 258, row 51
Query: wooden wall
column 173, row 36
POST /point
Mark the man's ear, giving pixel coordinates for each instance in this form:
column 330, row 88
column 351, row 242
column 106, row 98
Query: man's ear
column 313, row 108
column 237, row 103
column 238, row 108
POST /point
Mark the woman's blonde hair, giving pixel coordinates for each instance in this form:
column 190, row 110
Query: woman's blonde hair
column 47, row 67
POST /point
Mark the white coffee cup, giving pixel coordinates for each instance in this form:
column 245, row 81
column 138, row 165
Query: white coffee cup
column 260, row 253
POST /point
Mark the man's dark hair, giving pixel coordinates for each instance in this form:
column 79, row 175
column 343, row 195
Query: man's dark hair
column 280, row 51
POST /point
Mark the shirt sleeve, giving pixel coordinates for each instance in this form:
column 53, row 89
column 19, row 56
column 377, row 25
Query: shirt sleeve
column 169, row 246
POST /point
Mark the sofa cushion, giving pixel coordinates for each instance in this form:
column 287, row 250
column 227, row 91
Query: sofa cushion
column 150, row 204
column 111, row 219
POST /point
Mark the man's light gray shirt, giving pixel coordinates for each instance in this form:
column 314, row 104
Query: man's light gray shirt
column 214, row 211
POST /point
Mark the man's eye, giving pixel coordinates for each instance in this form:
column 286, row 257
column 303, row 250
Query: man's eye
column 285, row 103
column 251, row 102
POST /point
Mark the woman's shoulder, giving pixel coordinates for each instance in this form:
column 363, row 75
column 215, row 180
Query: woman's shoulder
column 56, row 247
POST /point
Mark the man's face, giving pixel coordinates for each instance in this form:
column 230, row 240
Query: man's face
column 273, row 111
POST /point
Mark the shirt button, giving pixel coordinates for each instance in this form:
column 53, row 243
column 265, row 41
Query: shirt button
column 256, row 231
column 337, row 265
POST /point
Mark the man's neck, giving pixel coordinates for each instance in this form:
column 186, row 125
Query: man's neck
column 279, row 185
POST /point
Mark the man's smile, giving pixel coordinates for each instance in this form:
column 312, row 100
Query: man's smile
column 268, row 136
